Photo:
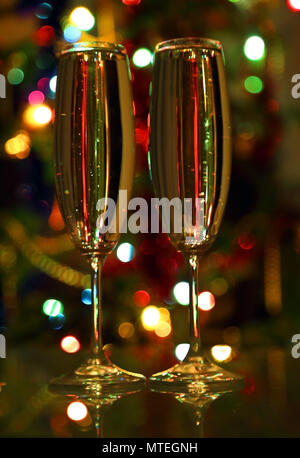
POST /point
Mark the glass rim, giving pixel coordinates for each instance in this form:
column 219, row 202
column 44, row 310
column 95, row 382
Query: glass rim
column 189, row 42
column 94, row 46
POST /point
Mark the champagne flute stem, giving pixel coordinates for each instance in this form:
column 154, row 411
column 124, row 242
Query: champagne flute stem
column 97, row 342
column 195, row 339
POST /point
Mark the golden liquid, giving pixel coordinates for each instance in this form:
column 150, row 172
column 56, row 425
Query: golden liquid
column 94, row 141
column 190, row 152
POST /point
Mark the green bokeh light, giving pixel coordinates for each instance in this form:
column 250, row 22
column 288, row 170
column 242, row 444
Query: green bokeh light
column 253, row 84
column 52, row 307
column 15, row 76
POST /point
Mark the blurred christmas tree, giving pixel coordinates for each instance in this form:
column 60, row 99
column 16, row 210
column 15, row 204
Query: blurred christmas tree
column 241, row 275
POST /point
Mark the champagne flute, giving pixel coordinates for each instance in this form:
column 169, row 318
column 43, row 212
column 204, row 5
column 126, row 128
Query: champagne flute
column 94, row 161
column 190, row 162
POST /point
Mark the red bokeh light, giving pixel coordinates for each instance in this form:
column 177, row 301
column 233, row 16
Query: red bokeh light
column 45, row 36
column 294, row 5
column 141, row 298
column 131, row 2
column 43, row 84
column 246, row 241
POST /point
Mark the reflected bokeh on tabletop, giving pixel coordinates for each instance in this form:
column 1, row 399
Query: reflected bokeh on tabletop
column 268, row 405
column 88, row 411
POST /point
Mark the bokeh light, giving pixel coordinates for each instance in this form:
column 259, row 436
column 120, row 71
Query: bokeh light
column 294, row 5
column 253, row 84
column 36, row 98
column 82, row 18
column 150, row 317
column 142, row 57
column 77, row 411
column 18, row 146
column 163, row 329
column 72, row 34
column 86, row 296
column 254, row 48
column 219, row 286
column 70, row 344
column 125, row 252
column 45, row 35
column 206, row 301
column 57, row 321
column 42, row 114
column 15, row 76
column 126, row 330
column 164, row 314
column 43, row 10
column 52, row 83
column 37, row 115
column 141, row 298
column 181, row 293
column 246, row 241
column 43, row 84
column 52, row 307
column 131, row 2
column 221, row 352
column 45, row 60
column 181, row 351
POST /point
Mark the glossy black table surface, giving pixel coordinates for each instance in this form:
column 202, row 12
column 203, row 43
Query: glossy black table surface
column 267, row 406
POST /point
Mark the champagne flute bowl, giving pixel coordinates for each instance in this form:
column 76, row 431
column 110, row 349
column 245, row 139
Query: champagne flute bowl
column 190, row 163
column 94, row 161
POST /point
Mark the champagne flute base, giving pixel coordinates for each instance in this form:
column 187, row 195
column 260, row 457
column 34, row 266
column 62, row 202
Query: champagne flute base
column 196, row 375
column 96, row 376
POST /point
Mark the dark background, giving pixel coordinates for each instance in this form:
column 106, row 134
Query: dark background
column 252, row 269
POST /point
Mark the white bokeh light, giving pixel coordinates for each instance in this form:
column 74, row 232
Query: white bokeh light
column 125, row 252
column 181, row 292
column 181, row 351
column 254, row 48
column 52, row 83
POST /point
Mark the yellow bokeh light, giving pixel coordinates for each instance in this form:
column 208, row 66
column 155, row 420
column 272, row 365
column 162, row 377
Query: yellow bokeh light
column 219, row 286
column 206, row 301
column 164, row 314
column 37, row 115
column 126, row 330
column 42, row 114
column 77, row 411
column 163, row 329
column 82, row 18
column 221, row 352
column 19, row 145
column 150, row 317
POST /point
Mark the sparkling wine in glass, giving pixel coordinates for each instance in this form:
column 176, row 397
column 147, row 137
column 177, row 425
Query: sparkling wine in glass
column 190, row 162
column 94, row 161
